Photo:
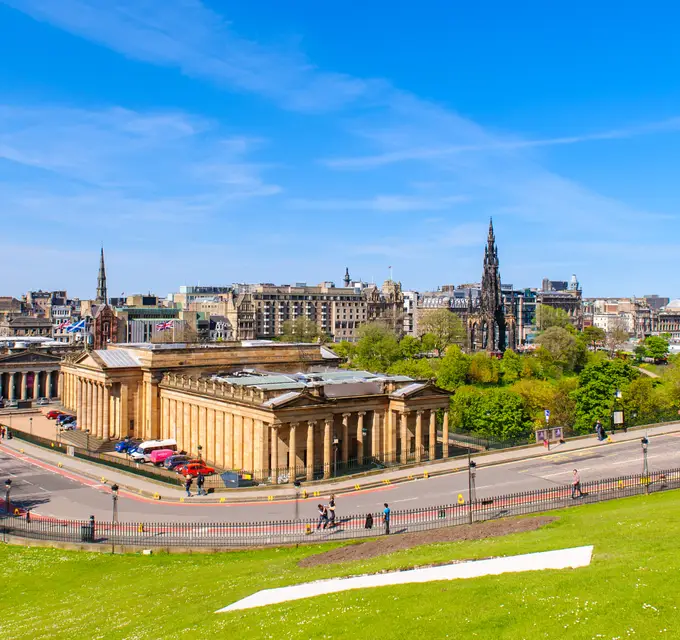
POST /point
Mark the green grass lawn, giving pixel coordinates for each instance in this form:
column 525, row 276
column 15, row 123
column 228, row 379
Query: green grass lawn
column 631, row 590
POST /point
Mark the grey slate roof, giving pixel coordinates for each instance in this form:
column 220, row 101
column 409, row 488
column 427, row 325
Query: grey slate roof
column 117, row 358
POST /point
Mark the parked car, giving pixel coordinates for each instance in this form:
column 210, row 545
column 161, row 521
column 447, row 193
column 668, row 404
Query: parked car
column 176, row 460
column 12, row 404
column 42, row 402
column 144, row 449
column 69, row 426
column 194, row 468
column 159, row 456
column 54, row 414
column 65, row 417
column 125, row 446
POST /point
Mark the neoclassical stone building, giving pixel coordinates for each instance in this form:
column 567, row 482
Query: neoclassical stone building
column 29, row 375
column 279, row 411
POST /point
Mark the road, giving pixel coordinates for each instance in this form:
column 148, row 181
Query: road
column 65, row 495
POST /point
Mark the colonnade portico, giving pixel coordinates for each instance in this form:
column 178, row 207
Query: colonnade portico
column 29, row 384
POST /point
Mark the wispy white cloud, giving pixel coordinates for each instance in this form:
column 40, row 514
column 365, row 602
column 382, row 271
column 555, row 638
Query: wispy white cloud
column 381, row 203
column 187, row 35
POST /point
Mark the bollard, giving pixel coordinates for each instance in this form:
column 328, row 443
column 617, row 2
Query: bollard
column 308, row 529
column 140, row 527
column 461, row 500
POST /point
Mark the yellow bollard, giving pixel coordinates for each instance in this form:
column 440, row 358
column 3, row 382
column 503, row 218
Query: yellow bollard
column 461, row 500
column 16, row 511
column 270, row 498
column 60, row 465
column 140, row 528
column 222, row 500
column 426, row 475
column 308, row 529
column 357, row 487
column 156, row 496
column 304, row 494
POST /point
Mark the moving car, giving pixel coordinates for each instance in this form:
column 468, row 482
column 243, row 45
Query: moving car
column 54, row 414
column 194, row 468
column 159, row 456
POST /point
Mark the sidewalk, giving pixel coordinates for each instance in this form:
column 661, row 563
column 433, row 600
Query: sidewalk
column 145, row 487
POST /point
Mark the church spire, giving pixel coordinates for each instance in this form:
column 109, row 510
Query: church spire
column 102, row 295
column 347, row 279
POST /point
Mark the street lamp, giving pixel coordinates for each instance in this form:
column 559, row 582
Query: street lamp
column 335, row 455
column 200, row 449
column 645, row 468
column 8, row 487
column 114, row 497
column 30, row 425
column 87, row 440
column 297, row 484
column 472, row 465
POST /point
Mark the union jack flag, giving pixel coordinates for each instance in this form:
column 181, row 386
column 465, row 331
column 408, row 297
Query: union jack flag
column 164, row 326
column 62, row 325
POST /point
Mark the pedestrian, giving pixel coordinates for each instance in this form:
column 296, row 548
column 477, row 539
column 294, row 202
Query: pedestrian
column 200, row 481
column 599, row 430
column 331, row 512
column 187, row 486
column 386, row 518
column 323, row 517
column 576, row 485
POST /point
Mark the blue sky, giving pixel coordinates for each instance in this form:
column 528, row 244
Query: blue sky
column 220, row 142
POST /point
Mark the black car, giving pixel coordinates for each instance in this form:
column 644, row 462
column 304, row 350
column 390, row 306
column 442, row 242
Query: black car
column 174, row 461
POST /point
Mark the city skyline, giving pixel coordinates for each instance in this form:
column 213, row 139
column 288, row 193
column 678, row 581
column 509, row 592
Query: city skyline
column 263, row 145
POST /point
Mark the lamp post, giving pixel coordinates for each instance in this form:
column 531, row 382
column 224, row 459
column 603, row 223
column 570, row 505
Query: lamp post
column 335, row 455
column 645, row 467
column 114, row 498
column 8, row 487
column 30, row 425
column 87, row 441
column 200, row 449
column 296, row 484
column 472, row 465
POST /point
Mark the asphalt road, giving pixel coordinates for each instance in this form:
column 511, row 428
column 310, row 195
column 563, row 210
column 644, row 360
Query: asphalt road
column 55, row 494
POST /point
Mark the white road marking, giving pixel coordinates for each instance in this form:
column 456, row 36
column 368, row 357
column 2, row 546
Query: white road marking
column 560, row 559
column 405, row 500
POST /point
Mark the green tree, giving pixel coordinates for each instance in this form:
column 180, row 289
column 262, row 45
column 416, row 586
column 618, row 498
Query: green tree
column 344, row 349
column 616, row 336
column 547, row 317
column 410, row 347
column 377, row 348
column 484, row 369
column 595, row 394
column 594, row 336
column 445, row 327
column 427, row 341
column 300, row 330
column 657, row 347
column 453, row 368
column 420, row 369
column 511, row 366
column 566, row 350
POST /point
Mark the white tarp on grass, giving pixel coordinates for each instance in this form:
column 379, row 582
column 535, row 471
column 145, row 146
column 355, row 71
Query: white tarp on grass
column 560, row 559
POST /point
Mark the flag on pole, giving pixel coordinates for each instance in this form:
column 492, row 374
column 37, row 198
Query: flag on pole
column 78, row 326
column 62, row 325
column 164, row 326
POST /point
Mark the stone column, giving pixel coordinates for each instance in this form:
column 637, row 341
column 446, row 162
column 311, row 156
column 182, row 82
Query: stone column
column 106, row 427
column 433, row 434
column 419, row 436
column 375, row 435
column 48, row 380
column 327, row 446
column 24, row 389
column 36, row 384
column 445, row 434
column 360, row 437
column 80, row 417
column 311, row 425
column 12, row 386
column 100, row 410
column 166, row 429
column 90, row 405
column 274, row 464
column 345, row 436
column 292, row 451
column 404, row 437
column 264, row 459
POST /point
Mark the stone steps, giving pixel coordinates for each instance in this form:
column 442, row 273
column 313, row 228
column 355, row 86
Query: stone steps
column 81, row 439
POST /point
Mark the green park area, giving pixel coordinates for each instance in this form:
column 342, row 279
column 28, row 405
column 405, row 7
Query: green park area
column 629, row 591
column 579, row 376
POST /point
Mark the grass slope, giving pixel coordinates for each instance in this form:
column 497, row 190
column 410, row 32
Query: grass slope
column 631, row 589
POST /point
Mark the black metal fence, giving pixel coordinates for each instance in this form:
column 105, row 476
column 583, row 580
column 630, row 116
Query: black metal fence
column 228, row 534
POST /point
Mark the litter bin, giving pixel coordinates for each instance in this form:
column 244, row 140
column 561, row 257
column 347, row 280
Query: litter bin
column 87, row 531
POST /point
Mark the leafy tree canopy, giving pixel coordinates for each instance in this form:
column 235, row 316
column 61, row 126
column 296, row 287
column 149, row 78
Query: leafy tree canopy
column 547, row 317
column 377, row 348
column 300, row 330
column 453, row 368
column 445, row 327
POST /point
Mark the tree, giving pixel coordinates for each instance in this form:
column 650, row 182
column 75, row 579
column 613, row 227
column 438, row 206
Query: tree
column 484, row 369
column 445, row 327
column 300, row 330
column 453, row 368
column 616, row 336
column 547, row 317
column 511, row 366
column 595, row 394
column 656, row 347
column 594, row 336
column 421, row 369
column 566, row 351
column 410, row 347
column 377, row 348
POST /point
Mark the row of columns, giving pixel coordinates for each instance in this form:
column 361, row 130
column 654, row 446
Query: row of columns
column 328, row 440
column 18, row 390
column 91, row 401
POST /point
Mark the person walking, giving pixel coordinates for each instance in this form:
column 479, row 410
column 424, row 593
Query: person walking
column 323, row 517
column 576, row 485
column 386, row 518
column 187, row 485
column 599, row 431
column 200, row 481
column 331, row 512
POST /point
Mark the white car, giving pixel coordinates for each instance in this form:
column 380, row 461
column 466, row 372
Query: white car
column 42, row 401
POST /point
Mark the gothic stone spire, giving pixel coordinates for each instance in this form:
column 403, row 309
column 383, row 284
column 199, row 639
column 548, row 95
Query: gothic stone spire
column 347, row 279
column 102, row 295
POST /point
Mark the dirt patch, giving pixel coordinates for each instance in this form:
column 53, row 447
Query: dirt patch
column 399, row 542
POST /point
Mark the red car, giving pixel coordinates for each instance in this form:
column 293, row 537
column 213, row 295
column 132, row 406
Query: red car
column 53, row 415
column 194, row 468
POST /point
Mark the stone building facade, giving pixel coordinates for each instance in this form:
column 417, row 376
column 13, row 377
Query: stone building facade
column 281, row 425
column 29, row 375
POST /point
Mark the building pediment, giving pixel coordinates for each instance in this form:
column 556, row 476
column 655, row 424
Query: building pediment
column 29, row 357
column 420, row 390
column 294, row 399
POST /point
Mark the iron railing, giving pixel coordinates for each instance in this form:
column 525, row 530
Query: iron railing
column 248, row 534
